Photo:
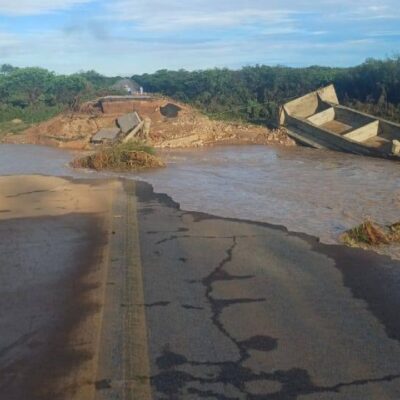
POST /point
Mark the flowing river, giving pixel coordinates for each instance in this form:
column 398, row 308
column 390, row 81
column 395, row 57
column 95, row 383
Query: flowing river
column 318, row 192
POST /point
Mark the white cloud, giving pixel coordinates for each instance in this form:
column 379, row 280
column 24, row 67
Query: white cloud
column 8, row 42
column 35, row 7
column 8, row 39
column 176, row 15
column 196, row 34
column 173, row 15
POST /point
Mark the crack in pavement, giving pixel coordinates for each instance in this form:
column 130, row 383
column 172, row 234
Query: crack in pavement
column 176, row 231
column 293, row 382
column 175, row 237
column 158, row 304
column 28, row 193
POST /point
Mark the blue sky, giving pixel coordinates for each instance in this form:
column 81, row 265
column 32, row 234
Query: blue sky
column 133, row 36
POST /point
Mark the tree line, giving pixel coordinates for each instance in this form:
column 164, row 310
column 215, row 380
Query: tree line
column 255, row 93
column 251, row 94
column 35, row 94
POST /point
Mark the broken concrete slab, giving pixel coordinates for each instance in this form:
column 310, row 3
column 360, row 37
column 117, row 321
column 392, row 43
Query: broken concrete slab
column 396, row 147
column 318, row 120
column 146, row 128
column 128, row 122
column 135, row 134
column 106, row 135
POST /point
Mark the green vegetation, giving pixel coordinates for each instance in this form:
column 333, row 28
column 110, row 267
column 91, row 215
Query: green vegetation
column 15, row 126
column 130, row 156
column 250, row 94
column 35, row 94
column 371, row 234
column 255, row 93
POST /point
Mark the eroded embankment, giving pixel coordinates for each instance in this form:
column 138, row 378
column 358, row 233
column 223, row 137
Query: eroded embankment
column 187, row 128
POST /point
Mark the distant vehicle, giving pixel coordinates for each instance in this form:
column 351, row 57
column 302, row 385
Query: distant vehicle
column 318, row 120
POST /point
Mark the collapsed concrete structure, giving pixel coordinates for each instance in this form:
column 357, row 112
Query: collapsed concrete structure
column 318, row 120
column 106, row 136
column 166, row 124
column 128, row 122
column 120, row 104
column 128, row 126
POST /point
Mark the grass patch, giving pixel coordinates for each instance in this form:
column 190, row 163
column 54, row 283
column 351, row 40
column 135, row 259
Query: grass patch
column 134, row 146
column 370, row 233
column 130, row 156
column 31, row 114
column 26, row 117
column 13, row 127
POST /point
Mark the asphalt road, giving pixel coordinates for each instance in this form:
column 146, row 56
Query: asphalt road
column 239, row 310
column 191, row 306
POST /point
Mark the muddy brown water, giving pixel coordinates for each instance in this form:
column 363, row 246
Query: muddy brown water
column 318, row 192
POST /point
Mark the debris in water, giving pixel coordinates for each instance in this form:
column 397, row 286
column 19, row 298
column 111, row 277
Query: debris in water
column 370, row 233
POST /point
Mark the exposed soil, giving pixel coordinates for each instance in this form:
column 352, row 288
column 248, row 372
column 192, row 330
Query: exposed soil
column 189, row 128
column 71, row 131
column 53, row 254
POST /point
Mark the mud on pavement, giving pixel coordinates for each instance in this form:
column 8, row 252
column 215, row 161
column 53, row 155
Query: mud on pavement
column 54, row 236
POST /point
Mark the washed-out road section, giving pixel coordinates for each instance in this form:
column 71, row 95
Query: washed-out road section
column 110, row 291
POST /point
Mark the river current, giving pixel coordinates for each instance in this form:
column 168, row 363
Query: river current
column 318, row 192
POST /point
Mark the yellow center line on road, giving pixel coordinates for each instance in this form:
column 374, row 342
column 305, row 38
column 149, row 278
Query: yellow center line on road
column 135, row 351
column 114, row 188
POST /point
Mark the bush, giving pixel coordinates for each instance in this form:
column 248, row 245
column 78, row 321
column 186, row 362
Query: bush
column 130, row 156
column 371, row 234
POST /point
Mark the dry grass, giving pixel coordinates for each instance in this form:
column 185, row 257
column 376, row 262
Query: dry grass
column 395, row 232
column 130, row 156
column 370, row 233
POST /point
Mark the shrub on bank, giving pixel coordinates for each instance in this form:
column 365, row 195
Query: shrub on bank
column 371, row 234
column 130, row 156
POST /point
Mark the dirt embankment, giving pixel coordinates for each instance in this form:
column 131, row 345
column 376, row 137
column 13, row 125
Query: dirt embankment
column 184, row 128
column 71, row 131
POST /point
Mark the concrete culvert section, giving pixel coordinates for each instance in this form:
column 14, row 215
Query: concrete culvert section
column 170, row 110
column 128, row 122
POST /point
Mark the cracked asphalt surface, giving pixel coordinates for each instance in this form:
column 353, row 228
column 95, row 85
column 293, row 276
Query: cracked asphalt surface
column 141, row 300
column 240, row 310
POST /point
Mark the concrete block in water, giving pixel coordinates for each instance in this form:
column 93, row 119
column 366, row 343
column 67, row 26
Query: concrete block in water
column 106, row 135
column 396, row 147
column 128, row 122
